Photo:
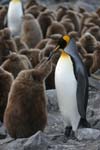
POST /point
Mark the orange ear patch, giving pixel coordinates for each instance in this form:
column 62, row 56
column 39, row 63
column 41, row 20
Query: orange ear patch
column 66, row 38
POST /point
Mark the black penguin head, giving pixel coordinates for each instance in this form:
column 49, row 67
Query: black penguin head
column 62, row 43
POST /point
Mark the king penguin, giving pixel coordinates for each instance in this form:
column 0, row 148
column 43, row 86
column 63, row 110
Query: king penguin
column 14, row 17
column 71, row 82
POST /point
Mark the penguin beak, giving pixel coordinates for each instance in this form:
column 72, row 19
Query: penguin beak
column 53, row 52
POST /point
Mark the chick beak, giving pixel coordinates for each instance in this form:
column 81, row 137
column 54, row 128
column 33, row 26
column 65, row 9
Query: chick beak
column 53, row 52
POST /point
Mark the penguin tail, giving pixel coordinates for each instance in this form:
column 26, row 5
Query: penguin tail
column 84, row 123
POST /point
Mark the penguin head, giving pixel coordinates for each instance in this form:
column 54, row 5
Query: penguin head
column 62, row 43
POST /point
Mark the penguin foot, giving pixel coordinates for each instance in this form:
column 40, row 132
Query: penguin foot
column 65, row 139
column 84, row 123
column 72, row 135
column 69, row 134
column 68, row 131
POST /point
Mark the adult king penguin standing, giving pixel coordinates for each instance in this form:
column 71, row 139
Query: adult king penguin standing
column 14, row 17
column 71, row 81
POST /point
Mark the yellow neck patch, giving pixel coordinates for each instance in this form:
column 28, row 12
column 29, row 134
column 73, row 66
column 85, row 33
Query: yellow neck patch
column 66, row 38
column 64, row 55
column 16, row 1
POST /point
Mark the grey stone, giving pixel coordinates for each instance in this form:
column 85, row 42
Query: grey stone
column 87, row 134
column 38, row 141
column 94, row 83
column 52, row 103
column 3, row 133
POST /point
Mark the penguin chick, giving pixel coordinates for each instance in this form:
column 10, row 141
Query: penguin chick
column 14, row 17
column 98, row 11
column 30, row 3
column 74, row 34
column 53, row 39
column 73, row 99
column 61, row 11
column 82, row 10
column 83, row 21
column 20, row 44
column 75, row 19
column 34, row 10
column 49, row 82
column 94, row 18
column 81, row 50
column 26, row 111
column 3, row 12
column 68, row 24
column 89, row 42
column 31, row 32
column 55, row 28
column 6, row 44
column 96, row 61
column 86, row 27
column 15, row 63
column 6, row 80
column 42, row 43
column 45, row 19
column 88, row 61
column 95, row 31
column 33, row 55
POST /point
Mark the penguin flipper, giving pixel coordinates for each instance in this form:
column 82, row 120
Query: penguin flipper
column 82, row 94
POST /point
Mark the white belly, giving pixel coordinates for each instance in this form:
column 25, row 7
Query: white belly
column 15, row 14
column 66, row 86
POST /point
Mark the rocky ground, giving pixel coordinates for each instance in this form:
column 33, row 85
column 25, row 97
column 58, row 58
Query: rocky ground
column 53, row 136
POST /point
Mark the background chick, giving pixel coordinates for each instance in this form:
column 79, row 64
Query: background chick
column 15, row 63
column 6, row 80
column 31, row 32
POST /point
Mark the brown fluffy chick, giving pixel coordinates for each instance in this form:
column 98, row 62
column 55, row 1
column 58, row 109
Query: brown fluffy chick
column 55, row 28
column 96, row 61
column 6, row 80
column 98, row 11
column 49, row 82
column 75, row 19
column 89, row 42
column 60, row 12
column 68, row 24
column 34, row 10
column 45, row 19
column 15, row 63
column 42, row 43
column 30, row 3
column 3, row 12
column 88, row 61
column 95, row 31
column 20, row 44
column 26, row 111
column 6, row 44
column 33, row 55
column 31, row 31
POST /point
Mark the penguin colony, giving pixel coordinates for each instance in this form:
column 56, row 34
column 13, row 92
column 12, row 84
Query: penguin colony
column 29, row 35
